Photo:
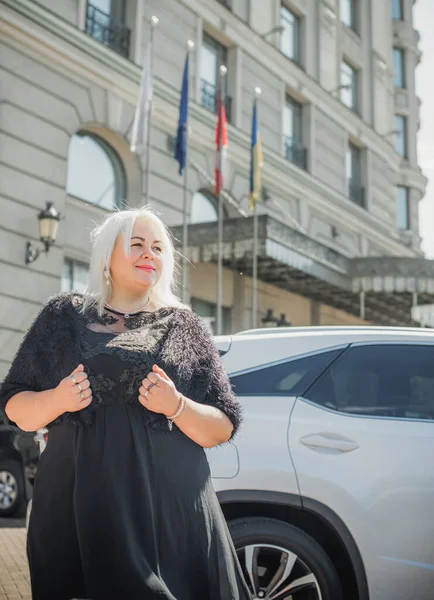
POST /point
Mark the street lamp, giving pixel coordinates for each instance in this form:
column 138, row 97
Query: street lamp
column 48, row 227
column 282, row 321
column 269, row 320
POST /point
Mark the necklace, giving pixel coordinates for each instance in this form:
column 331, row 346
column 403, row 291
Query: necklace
column 127, row 314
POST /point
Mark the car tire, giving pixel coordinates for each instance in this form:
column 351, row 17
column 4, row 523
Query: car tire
column 12, row 489
column 266, row 545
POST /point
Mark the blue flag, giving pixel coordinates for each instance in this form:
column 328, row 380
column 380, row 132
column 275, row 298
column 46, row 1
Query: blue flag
column 181, row 134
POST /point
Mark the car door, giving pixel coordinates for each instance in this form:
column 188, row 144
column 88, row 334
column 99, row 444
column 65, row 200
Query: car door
column 362, row 442
column 267, row 394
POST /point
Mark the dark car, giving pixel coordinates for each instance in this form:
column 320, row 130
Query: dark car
column 19, row 456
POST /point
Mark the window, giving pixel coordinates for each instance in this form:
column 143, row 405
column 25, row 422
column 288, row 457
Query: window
column 203, row 210
column 105, row 21
column 95, row 172
column 213, row 55
column 348, row 86
column 353, row 171
column 401, row 135
column 398, row 68
column 290, row 36
column 292, row 133
column 397, row 12
column 74, row 276
column 402, row 208
column 349, row 13
column 290, row 378
column 384, row 380
column 208, row 312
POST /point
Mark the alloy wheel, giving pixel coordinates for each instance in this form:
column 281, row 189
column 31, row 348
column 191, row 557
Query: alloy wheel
column 8, row 490
column 275, row 573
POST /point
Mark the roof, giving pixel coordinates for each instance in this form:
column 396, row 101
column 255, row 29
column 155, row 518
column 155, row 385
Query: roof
column 332, row 328
column 383, row 290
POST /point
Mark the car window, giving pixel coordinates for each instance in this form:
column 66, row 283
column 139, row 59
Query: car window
column 289, row 378
column 385, row 380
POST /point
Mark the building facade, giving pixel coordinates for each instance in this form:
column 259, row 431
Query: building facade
column 338, row 217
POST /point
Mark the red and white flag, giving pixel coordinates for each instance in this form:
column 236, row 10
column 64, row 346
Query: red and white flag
column 221, row 140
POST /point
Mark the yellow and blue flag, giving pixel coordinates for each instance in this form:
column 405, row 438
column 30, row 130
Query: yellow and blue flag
column 256, row 160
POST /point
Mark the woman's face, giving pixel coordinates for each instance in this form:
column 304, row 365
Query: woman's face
column 142, row 268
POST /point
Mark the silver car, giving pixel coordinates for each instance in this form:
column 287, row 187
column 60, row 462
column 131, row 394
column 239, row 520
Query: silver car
column 329, row 489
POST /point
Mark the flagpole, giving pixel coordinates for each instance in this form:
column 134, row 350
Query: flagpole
column 223, row 71
column 153, row 24
column 255, row 269
column 258, row 92
column 185, row 294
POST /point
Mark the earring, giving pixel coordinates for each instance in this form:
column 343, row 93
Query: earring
column 107, row 276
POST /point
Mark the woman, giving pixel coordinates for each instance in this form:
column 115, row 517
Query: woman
column 132, row 389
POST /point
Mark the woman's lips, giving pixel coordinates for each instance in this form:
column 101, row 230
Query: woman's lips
column 146, row 268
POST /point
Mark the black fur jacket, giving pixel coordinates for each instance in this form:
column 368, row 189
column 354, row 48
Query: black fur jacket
column 52, row 349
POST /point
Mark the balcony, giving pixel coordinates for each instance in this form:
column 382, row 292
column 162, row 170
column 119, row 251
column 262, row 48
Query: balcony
column 295, row 153
column 356, row 193
column 208, row 98
column 406, row 37
column 106, row 30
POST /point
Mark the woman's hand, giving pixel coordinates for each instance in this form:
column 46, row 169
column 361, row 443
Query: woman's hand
column 158, row 393
column 74, row 392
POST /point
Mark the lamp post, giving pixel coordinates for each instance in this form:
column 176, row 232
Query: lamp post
column 48, row 227
column 269, row 320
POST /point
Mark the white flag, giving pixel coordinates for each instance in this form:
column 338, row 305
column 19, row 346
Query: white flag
column 140, row 133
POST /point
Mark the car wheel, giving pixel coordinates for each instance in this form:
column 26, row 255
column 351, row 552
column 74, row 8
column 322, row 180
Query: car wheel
column 281, row 562
column 12, row 492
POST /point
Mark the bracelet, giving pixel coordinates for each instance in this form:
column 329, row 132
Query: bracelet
column 181, row 407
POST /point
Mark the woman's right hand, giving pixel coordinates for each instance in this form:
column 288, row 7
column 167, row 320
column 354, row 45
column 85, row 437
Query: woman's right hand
column 74, row 392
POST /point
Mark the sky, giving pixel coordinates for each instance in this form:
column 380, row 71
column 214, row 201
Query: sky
column 423, row 16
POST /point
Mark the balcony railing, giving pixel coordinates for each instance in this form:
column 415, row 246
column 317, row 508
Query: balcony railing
column 356, row 193
column 109, row 32
column 208, row 98
column 295, row 153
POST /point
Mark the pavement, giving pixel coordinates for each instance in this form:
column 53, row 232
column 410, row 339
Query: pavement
column 14, row 572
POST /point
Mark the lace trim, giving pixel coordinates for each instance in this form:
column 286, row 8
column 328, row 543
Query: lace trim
column 134, row 322
column 141, row 344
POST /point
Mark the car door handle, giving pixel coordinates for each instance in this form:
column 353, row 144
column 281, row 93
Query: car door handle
column 328, row 440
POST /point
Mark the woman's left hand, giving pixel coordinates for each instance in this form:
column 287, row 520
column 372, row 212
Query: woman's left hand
column 158, row 393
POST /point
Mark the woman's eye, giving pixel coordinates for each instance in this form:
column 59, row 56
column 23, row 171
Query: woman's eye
column 157, row 248
column 139, row 245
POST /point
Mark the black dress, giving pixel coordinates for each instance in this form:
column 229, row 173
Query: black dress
column 121, row 510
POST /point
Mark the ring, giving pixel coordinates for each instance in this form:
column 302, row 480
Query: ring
column 151, row 385
column 79, row 387
column 73, row 379
column 146, row 392
column 82, row 395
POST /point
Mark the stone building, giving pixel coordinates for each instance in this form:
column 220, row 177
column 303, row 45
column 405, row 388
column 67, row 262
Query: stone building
column 338, row 217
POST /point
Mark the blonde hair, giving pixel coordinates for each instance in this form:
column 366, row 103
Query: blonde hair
column 103, row 239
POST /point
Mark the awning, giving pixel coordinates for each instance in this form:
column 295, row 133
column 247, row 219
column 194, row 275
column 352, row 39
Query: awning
column 383, row 290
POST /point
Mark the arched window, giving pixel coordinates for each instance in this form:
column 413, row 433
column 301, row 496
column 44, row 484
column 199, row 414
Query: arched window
column 95, row 172
column 203, row 208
